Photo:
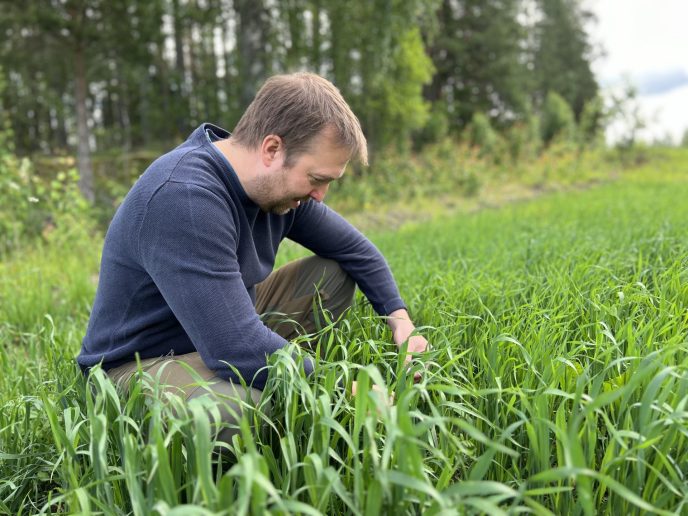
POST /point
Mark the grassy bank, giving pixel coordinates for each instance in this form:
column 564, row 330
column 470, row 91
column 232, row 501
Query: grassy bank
column 557, row 382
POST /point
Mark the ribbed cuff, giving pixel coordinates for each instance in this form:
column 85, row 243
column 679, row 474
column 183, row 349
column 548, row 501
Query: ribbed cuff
column 390, row 306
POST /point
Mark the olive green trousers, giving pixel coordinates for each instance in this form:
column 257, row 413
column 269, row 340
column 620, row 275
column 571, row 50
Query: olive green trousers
column 285, row 301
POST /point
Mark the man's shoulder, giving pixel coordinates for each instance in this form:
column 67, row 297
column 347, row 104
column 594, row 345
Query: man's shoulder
column 185, row 168
column 176, row 181
column 190, row 164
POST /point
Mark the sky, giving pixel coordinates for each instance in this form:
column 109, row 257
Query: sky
column 646, row 42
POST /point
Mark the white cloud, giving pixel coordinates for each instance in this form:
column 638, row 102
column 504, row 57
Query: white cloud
column 671, row 110
column 645, row 40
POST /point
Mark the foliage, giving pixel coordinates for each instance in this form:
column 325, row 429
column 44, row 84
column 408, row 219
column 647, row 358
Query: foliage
column 6, row 136
column 592, row 123
column 442, row 169
column 436, row 127
column 476, row 48
column 133, row 74
column 557, row 382
column 562, row 54
column 557, row 120
column 523, row 139
column 401, row 109
column 481, row 135
column 626, row 114
column 31, row 207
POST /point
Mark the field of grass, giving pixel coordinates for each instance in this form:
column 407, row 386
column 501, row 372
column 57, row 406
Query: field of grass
column 557, row 380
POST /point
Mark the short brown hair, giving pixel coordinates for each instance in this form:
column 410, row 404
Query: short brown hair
column 297, row 108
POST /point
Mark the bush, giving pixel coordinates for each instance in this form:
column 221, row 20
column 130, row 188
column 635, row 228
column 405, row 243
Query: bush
column 436, row 127
column 557, row 121
column 591, row 127
column 442, row 169
column 523, row 140
column 481, row 134
column 33, row 208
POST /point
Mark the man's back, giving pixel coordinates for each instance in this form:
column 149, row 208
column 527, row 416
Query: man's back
column 189, row 186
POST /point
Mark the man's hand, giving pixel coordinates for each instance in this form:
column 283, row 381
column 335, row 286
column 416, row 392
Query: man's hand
column 402, row 327
column 389, row 399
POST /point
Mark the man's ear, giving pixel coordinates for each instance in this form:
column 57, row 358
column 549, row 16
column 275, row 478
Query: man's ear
column 271, row 150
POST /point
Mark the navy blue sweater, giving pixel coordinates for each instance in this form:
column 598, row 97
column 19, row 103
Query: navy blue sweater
column 182, row 257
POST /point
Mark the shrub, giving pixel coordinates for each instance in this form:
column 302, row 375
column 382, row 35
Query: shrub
column 33, row 208
column 523, row 139
column 481, row 134
column 436, row 127
column 557, row 120
column 591, row 126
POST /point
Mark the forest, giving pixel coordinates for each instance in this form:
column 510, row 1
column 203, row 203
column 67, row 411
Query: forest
column 90, row 77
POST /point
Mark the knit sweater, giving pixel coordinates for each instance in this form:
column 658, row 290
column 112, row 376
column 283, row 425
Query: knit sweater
column 184, row 252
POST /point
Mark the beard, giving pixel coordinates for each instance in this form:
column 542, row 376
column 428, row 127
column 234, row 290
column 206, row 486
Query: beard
column 264, row 190
column 284, row 206
column 281, row 208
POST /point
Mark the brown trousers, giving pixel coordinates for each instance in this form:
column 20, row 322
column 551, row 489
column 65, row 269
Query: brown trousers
column 285, row 301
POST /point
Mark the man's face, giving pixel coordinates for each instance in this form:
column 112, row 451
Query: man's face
column 281, row 190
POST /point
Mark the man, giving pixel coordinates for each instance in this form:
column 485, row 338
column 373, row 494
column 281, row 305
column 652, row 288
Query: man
column 187, row 261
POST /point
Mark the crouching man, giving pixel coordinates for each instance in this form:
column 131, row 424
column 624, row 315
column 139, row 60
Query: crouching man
column 187, row 264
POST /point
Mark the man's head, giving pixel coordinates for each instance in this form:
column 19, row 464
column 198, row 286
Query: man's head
column 302, row 134
column 297, row 108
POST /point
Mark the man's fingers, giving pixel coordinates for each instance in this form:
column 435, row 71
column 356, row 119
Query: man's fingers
column 388, row 398
column 417, row 344
column 379, row 391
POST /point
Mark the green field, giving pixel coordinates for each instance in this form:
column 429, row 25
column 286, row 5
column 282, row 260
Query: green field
column 557, row 380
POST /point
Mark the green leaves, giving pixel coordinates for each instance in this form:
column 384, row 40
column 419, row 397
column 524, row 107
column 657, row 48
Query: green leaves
column 545, row 390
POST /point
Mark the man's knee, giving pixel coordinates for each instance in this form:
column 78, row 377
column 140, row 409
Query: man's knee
column 328, row 278
column 341, row 291
column 232, row 403
column 187, row 377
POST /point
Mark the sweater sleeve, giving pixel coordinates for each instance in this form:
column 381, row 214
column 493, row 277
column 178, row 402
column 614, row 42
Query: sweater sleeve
column 329, row 235
column 187, row 243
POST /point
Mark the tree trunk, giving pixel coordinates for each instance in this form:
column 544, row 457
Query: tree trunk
column 316, row 58
column 83, row 156
column 123, row 106
column 250, row 45
column 229, row 109
column 181, row 98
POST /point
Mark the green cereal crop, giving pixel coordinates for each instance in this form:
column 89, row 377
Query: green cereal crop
column 557, row 382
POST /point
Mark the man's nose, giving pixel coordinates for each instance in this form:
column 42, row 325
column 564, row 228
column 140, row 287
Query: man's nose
column 318, row 194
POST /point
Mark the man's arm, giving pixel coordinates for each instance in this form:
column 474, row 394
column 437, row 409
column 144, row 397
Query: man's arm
column 327, row 234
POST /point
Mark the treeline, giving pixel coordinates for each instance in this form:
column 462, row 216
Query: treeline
column 90, row 75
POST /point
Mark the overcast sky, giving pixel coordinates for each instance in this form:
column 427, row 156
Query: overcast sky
column 646, row 41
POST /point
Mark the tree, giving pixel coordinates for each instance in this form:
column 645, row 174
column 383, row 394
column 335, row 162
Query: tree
column 557, row 120
column 395, row 103
column 481, row 134
column 626, row 113
column 562, row 56
column 127, row 74
column 253, row 46
column 71, row 28
column 477, row 51
column 387, row 67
